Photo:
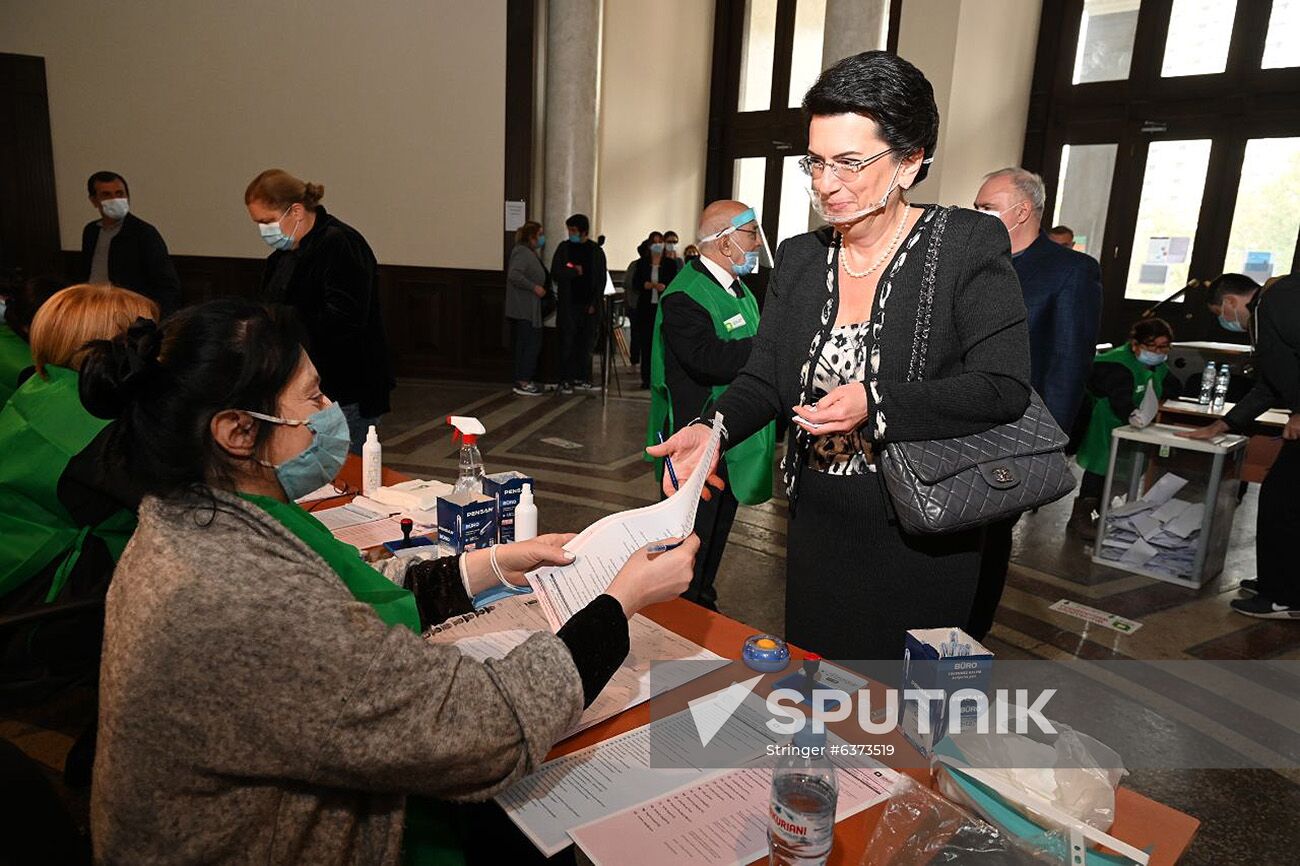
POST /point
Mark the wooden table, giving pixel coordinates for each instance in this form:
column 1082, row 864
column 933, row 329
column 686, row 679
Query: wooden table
column 1265, row 432
column 1139, row 821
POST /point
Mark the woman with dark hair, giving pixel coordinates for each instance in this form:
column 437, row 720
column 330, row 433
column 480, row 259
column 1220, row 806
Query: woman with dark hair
column 1116, row 386
column 265, row 693
column 326, row 271
column 525, row 288
column 834, row 355
column 654, row 271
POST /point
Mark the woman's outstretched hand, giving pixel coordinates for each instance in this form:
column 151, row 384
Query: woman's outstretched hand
column 517, row 559
column 650, row 577
column 686, row 448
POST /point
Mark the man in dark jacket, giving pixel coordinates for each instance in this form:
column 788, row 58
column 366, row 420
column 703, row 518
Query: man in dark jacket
column 1272, row 318
column 1062, row 291
column 578, row 270
column 122, row 249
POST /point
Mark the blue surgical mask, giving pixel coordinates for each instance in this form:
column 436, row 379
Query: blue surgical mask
column 1151, row 359
column 320, row 463
column 274, row 235
column 575, row 239
column 1231, row 324
column 541, row 241
column 656, row 248
column 748, row 266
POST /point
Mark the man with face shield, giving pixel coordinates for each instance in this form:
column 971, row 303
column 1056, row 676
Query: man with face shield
column 703, row 333
column 1272, row 318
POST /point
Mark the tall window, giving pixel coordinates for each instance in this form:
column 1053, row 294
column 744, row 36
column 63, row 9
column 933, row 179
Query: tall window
column 1168, row 133
column 767, row 53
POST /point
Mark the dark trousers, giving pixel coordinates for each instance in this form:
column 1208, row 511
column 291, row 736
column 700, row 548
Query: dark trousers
column 643, row 335
column 713, row 522
column 1276, row 527
column 1092, row 486
column 994, row 562
column 528, row 346
column 634, row 318
column 577, row 339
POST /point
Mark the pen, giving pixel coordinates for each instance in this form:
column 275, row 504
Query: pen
column 662, row 548
column 668, row 464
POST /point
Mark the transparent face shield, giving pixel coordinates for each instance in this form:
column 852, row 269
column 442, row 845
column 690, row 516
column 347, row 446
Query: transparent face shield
column 841, row 217
column 747, row 239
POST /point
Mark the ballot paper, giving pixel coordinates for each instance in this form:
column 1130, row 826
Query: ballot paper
column 605, row 546
column 371, row 534
column 717, row 822
column 1146, row 411
column 1188, row 521
column 1157, row 534
column 344, row 516
column 496, row 630
column 615, row 774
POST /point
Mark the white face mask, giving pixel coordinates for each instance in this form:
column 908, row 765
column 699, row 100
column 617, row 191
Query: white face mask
column 115, row 208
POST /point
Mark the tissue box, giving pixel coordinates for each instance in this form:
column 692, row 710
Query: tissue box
column 945, row 660
column 506, row 487
column 467, row 521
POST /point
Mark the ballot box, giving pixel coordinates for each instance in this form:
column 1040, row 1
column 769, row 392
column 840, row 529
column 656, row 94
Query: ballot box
column 1168, row 504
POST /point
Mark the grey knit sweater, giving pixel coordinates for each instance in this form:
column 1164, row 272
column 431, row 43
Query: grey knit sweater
column 251, row 711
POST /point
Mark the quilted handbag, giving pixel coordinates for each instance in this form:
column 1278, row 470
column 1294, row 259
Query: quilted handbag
column 946, row 485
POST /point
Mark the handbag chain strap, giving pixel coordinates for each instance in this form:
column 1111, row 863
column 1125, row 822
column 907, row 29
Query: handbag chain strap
column 925, row 300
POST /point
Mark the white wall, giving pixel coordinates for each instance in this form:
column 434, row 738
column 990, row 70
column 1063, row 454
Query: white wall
column 654, row 119
column 979, row 55
column 397, row 107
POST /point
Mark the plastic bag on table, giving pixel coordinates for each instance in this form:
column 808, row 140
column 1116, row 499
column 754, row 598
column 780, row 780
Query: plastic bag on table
column 1072, row 771
column 921, row 828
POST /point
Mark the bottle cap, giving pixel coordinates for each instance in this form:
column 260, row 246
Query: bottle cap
column 372, row 436
column 526, row 494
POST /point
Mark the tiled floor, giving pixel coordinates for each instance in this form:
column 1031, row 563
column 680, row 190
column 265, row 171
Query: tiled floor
column 585, row 456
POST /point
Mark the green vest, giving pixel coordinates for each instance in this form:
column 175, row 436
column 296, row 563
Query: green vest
column 749, row 463
column 42, row 427
column 430, row 838
column 1094, row 451
column 15, row 356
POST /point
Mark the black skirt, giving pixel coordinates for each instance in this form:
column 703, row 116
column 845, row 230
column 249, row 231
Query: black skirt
column 855, row 581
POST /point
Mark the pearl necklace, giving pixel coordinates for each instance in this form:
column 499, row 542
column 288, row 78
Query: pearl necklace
column 844, row 257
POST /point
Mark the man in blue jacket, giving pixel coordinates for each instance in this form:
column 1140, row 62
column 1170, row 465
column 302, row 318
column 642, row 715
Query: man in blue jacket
column 1062, row 290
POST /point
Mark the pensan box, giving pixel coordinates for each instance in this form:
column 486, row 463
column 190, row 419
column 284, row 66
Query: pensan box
column 944, row 661
column 467, row 521
column 505, row 487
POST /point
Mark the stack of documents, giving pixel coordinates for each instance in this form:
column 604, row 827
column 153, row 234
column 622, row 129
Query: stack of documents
column 1158, row 532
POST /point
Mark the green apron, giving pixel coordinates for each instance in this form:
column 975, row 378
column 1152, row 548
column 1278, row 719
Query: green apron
column 42, row 427
column 749, row 463
column 1094, row 451
column 430, row 838
column 15, row 356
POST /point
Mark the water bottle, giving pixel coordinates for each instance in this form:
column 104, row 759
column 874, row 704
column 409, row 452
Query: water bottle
column 801, row 817
column 1207, row 384
column 1221, row 389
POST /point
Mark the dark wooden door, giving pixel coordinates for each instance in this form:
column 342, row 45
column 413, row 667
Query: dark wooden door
column 29, row 214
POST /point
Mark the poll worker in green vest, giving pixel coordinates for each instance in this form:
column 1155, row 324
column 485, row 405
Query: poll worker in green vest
column 15, row 329
column 64, row 519
column 265, row 694
column 1119, row 380
column 703, row 332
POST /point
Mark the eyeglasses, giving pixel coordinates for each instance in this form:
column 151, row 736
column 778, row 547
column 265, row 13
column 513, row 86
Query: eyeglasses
column 846, row 169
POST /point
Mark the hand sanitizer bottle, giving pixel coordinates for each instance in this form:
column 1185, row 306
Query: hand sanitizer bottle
column 372, row 474
column 526, row 515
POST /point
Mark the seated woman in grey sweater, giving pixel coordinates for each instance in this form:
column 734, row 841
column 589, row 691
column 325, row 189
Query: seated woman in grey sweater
column 265, row 694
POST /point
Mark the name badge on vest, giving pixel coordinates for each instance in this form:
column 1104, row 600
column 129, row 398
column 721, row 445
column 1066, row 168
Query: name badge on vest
column 736, row 321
